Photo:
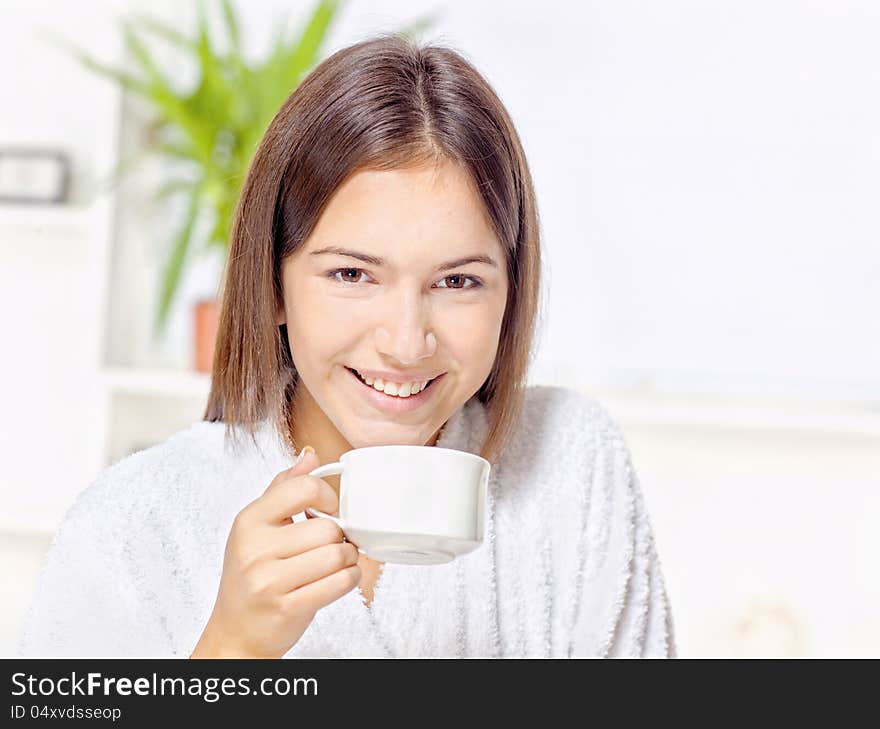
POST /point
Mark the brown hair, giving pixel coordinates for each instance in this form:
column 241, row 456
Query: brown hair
column 383, row 103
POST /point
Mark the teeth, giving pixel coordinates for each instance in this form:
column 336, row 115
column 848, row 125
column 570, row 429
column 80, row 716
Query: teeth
column 392, row 388
column 389, row 389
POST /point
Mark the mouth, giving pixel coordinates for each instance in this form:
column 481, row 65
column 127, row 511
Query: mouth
column 393, row 403
column 361, row 379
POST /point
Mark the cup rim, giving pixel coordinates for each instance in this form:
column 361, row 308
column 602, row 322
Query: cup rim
column 439, row 449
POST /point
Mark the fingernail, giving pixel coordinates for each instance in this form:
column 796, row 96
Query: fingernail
column 302, row 454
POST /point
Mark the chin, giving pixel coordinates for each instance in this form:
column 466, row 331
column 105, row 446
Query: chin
column 405, row 438
column 386, row 442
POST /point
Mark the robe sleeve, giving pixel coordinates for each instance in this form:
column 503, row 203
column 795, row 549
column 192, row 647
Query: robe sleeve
column 85, row 602
column 623, row 608
column 644, row 627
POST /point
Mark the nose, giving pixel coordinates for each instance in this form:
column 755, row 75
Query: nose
column 406, row 337
column 407, row 345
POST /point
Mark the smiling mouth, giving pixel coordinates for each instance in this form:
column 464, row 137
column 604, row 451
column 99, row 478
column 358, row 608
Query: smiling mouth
column 364, row 383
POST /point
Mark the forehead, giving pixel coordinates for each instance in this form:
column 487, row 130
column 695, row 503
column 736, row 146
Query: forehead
column 436, row 204
column 444, row 181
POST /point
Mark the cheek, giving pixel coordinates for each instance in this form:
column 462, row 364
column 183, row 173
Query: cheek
column 480, row 324
column 473, row 338
column 315, row 329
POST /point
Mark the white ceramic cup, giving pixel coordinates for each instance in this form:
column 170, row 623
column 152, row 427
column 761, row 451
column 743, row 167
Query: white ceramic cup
column 410, row 504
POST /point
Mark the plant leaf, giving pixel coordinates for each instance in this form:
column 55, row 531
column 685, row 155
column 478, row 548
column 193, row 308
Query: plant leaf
column 172, row 186
column 142, row 56
column 178, row 151
column 231, row 26
column 174, row 265
column 122, row 168
column 301, row 55
column 164, row 31
column 217, row 124
column 414, row 30
column 194, row 124
column 124, row 79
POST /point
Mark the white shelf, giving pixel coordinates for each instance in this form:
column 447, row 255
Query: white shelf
column 642, row 407
column 636, row 406
column 138, row 417
column 162, row 383
column 39, row 218
column 32, row 521
column 146, row 406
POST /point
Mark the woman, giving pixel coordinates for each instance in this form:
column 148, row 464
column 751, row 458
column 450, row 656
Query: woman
column 381, row 288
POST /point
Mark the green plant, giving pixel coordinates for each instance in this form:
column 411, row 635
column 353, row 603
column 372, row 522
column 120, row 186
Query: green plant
column 215, row 127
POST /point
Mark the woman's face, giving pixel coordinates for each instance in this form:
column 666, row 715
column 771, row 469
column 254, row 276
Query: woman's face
column 411, row 312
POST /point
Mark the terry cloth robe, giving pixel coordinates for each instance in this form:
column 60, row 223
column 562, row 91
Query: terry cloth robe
column 568, row 568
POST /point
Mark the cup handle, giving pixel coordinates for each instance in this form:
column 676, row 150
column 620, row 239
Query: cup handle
column 329, row 469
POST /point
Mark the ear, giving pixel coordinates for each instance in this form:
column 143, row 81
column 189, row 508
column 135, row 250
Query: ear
column 280, row 317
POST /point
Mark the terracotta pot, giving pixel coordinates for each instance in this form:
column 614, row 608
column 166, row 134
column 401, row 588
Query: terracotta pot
column 206, row 314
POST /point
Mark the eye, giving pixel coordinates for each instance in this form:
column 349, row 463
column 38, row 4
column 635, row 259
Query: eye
column 476, row 283
column 355, row 273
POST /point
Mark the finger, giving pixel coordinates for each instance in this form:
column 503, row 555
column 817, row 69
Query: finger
column 302, row 536
column 308, row 567
column 292, row 490
column 320, row 593
column 292, row 496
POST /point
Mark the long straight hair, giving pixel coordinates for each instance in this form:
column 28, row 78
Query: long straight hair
column 380, row 104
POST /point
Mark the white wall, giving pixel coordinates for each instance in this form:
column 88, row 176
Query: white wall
column 767, row 539
column 706, row 178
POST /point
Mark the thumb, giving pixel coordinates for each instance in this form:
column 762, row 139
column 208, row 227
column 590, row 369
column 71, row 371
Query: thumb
column 305, row 462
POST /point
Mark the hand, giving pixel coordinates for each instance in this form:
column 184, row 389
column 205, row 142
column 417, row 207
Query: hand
column 277, row 574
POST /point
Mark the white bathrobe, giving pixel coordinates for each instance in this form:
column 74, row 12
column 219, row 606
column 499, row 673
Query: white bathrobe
column 568, row 567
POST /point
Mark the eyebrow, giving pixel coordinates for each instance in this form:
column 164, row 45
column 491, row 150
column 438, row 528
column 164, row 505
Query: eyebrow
column 376, row 261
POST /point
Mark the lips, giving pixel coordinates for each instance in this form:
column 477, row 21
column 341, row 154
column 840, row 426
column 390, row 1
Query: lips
column 390, row 403
column 358, row 375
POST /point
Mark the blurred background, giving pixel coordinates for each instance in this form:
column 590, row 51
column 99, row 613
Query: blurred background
column 707, row 181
